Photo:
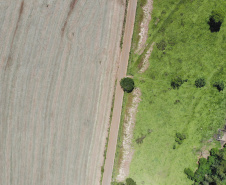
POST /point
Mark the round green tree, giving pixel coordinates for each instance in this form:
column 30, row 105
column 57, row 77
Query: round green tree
column 127, row 84
column 216, row 19
column 130, row 181
column 219, row 85
column 200, row 82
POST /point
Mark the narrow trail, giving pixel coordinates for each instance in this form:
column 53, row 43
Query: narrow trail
column 130, row 19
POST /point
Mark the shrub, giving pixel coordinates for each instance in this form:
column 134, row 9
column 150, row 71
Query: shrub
column 130, row 181
column 179, row 138
column 216, row 19
column 161, row 45
column 174, row 146
column 189, row 173
column 219, row 85
column 127, row 84
column 176, row 82
column 200, row 82
column 214, row 151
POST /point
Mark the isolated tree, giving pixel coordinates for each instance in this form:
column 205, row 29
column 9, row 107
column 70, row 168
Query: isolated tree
column 127, row 84
column 216, row 19
column 200, row 82
column 130, row 181
column 219, row 85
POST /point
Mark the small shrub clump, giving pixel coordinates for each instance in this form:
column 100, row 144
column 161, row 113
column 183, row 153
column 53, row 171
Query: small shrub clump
column 130, row 181
column 216, row 19
column 127, row 84
column 200, row 82
column 219, row 85
column 161, row 45
column 189, row 173
column 179, row 138
column 177, row 82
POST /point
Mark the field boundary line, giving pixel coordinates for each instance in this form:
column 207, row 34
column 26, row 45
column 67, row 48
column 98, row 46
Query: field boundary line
column 122, row 70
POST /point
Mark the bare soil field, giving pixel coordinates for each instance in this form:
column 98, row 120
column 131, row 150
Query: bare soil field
column 57, row 71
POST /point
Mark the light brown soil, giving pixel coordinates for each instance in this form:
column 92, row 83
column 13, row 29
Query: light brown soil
column 144, row 26
column 129, row 123
column 57, row 72
column 108, row 168
column 145, row 62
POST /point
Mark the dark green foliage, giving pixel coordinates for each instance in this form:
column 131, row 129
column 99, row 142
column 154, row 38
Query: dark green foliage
column 189, row 173
column 214, row 152
column 218, row 15
column 174, row 146
column 200, row 82
column 140, row 140
column 176, row 82
column 127, row 84
column 117, row 183
column 130, row 181
column 161, row 45
column 211, row 170
column 142, row 2
column 219, row 85
column 216, row 19
column 179, row 138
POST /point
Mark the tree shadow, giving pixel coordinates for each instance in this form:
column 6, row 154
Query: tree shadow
column 214, row 26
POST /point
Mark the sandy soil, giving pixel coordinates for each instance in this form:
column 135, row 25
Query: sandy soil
column 57, row 65
column 146, row 63
column 113, row 135
column 129, row 124
column 144, row 26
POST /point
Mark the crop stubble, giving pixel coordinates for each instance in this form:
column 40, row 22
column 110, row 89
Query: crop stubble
column 57, row 70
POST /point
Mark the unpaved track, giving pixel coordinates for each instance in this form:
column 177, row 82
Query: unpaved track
column 57, row 64
column 108, row 168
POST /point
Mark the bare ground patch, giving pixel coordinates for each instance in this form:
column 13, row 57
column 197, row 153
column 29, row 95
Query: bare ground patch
column 144, row 26
column 129, row 123
column 145, row 64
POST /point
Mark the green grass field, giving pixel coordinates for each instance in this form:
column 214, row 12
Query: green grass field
column 186, row 48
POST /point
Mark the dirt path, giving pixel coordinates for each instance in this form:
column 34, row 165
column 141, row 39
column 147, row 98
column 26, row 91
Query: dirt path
column 57, row 69
column 108, row 168
column 128, row 124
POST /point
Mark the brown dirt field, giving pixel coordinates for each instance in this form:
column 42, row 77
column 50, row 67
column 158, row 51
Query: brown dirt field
column 57, row 70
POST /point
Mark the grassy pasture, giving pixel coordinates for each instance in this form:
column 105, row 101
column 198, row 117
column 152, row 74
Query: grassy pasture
column 184, row 47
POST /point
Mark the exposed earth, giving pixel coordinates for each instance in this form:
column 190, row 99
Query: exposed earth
column 57, row 70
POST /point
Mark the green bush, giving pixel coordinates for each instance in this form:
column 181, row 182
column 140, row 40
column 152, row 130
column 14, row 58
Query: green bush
column 179, row 138
column 216, row 19
column 161, row 45
column 130, row 181
column 218, row 15
column 189, row 173
column 219, row 85
column 200, row 82
column 127, row 84
column 176, row 82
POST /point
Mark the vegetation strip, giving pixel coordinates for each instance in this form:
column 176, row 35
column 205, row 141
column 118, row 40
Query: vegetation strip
column 124, row 24
column 183, row 95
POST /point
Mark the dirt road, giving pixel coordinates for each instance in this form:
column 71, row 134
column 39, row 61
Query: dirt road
column 119, row 93
column 57, row 65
